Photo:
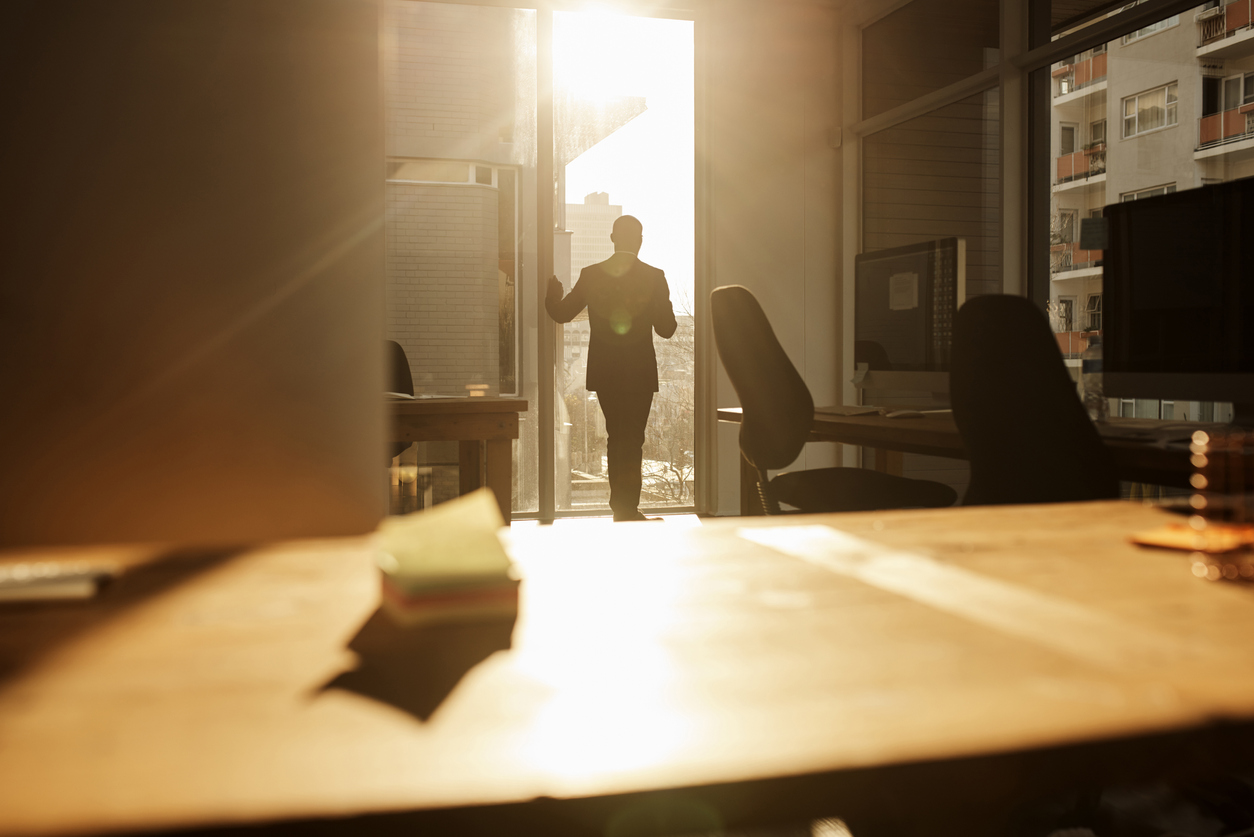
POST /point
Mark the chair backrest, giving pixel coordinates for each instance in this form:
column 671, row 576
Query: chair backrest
column 1029, row 438
column 872, row 354
column 399, row 378
column 778, row 408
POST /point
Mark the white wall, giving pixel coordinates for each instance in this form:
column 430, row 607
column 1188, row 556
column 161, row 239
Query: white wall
column 774, row 186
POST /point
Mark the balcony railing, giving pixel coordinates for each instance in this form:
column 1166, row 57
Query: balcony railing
column 1081, row 74
column 1081, row 164
column 1074, row 343
column 1224, row 22
column 1231, row 125
column 1069, row 256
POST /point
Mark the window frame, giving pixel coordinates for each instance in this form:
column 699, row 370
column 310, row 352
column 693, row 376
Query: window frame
column 1093, row 140
column 1171, row 109
column 1150, row 30
column 1074, row 128
column 1093, row 312
column 1148, row 192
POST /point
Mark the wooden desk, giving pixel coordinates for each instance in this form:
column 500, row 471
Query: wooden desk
column 664, row 674
column 485, row 428
column 1137, row 460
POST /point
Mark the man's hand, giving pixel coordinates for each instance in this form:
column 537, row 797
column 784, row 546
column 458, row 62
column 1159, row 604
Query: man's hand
column 555, row 291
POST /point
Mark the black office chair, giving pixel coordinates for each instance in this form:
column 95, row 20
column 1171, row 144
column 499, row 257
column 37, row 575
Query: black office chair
column 399, row 380
column 872, row 354
column 778, row 416
column 1029, row 438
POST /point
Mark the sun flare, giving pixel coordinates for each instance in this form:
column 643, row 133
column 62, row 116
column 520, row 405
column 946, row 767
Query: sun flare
column 593, row 54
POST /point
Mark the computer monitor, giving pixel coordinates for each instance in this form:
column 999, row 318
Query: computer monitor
column 1179, row 297
column 905, row 299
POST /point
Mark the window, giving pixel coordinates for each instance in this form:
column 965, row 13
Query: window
column 1147, row 193
column 1066, row 226
column 1149, row 111
column 1170, row 85
column 1152, row 29
column 1066, row 140
column 1236, row 91
column 1066, row 314
column 1097, row 132
column 1094, row 311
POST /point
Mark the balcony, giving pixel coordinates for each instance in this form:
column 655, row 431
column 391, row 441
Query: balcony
column 1074, row 343
column 1080, row 168
column 1080, row 78
column 1226, row 31
column 1068, row 257
column 1230, row 132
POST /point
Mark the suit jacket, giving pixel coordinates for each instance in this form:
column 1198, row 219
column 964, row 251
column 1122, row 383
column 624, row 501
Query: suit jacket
column 627, row 300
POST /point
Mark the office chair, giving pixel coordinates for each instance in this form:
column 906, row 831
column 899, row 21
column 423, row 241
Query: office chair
column 778, row 416
column 872, row 354
column 399, row 380
column 1029, row 438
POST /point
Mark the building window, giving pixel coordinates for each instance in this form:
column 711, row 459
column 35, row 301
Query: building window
column 1066, row 226
column 1066, row 140
column 1237, row 91
column 1147, row 193
column 1066, row 314
column 1149, row 111
column 1097, row 133
column 1094, row 311
column 1152, row 29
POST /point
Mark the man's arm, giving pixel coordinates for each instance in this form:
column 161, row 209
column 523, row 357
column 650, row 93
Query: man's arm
column 564, row 310
column 663, row 315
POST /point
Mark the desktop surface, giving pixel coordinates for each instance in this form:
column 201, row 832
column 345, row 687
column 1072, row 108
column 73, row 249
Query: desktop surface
column 760, row 669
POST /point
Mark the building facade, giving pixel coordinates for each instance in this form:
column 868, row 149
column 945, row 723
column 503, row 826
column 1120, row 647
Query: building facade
column 1167, row 107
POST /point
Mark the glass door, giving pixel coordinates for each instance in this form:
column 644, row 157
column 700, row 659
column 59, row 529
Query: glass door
column 623, row 144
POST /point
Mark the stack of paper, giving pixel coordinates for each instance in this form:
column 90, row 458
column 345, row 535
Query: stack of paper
column 50, row 580
column 446, row 564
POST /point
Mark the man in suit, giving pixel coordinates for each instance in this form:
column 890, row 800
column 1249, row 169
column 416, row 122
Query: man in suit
column 627, row 300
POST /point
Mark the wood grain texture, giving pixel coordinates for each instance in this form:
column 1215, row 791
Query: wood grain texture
column 764, row 681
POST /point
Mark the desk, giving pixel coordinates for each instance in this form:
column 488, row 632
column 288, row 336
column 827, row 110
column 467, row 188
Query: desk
column 1012, row 651
column 484, row 427
column 1136, row 460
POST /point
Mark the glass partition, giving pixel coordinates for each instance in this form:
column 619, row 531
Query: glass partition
column 460, row 94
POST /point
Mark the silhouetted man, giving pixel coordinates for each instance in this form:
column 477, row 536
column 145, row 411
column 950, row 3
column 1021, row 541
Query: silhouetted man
column 627, row 301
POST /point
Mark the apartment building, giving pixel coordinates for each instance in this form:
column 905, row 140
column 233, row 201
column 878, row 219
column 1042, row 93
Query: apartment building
column 1166, row 107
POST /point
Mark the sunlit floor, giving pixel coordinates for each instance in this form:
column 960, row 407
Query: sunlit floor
column 673, row 520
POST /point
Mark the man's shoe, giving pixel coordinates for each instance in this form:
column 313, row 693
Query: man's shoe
column 632, row 517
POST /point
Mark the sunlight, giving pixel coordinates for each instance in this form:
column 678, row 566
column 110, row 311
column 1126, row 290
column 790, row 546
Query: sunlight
column 593, row 55
column 597, row 731
column 612, row 706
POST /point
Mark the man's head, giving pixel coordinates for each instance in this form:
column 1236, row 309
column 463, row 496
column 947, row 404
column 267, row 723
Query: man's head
column 627, row 234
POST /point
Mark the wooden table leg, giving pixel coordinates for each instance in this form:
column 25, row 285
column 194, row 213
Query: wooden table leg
column 888, row 461
column 499, row 473
column 470, row 465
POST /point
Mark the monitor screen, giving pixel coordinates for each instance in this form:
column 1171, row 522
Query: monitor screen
column 905, row 299
column 1179, row 295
